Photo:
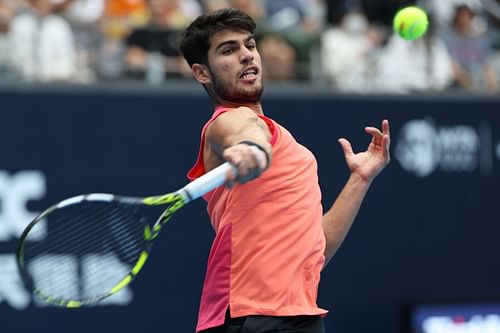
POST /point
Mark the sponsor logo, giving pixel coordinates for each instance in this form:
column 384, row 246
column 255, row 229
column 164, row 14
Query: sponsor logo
column 476, row 324
column 424, row 147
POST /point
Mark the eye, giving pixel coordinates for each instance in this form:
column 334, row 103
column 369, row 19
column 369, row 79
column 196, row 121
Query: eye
column 227, row 51
column 251, row 46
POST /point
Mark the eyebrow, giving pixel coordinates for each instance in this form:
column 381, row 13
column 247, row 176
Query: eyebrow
column 232, row 42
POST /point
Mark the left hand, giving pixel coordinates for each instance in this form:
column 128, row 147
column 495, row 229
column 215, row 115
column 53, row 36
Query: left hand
column 369, row 163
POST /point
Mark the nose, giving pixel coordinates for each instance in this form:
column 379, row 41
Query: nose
column 246, row 55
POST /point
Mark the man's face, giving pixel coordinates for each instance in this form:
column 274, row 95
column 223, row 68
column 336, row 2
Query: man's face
column 235, row 67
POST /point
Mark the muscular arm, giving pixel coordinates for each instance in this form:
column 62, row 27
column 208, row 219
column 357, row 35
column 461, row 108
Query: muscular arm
column 339, row 218
column 224, row 137
column 364, row 167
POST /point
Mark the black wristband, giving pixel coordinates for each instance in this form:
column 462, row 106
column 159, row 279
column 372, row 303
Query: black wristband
column 251, row 143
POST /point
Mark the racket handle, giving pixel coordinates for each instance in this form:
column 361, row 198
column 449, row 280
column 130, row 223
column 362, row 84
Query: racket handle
column 209, row 181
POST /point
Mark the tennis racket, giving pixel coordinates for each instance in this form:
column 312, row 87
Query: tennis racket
column 86, row 248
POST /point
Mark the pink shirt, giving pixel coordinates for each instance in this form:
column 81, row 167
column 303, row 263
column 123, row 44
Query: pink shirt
column 269, row 246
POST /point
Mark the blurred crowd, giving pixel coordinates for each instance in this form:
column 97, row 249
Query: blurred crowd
column 346, row 44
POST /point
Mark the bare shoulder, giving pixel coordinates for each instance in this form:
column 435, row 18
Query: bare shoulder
column 232, row 121
column 240, row 114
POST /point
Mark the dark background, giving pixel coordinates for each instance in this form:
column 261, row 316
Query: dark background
column 416, row 239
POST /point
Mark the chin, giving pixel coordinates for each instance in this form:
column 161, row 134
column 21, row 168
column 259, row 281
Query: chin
column 250, row 96
column 239, row 94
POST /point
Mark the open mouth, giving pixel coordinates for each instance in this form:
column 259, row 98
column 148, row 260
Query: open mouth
column 249, row 73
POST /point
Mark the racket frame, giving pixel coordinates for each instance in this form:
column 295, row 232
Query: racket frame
column 175, row 200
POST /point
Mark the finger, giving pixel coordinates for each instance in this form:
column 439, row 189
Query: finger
column 243, row 170
column 386, row 127
column 259, row 158
column 386, row 143
column 233, row 157
column 232, row 173
column 230, row 178
column 375, row 133
column 346, row 146
column 255, row 173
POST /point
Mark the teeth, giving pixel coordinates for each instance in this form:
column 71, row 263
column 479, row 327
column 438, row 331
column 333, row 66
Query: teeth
column 249, row 72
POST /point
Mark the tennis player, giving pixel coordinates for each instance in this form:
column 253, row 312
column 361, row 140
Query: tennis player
column 272, row 239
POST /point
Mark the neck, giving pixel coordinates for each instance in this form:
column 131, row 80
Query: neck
column 256, row 107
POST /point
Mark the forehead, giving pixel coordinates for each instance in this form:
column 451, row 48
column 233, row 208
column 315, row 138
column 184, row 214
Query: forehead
column 228, row 35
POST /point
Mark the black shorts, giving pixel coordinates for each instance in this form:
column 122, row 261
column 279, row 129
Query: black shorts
column 270, row 324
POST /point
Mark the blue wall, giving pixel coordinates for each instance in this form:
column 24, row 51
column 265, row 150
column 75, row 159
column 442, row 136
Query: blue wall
column 428, row 230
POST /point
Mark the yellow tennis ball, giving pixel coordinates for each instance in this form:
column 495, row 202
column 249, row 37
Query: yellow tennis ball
column 410, row 23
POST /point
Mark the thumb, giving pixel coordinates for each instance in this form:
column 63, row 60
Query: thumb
column 346, row 146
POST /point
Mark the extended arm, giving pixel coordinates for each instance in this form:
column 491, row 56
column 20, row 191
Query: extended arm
column 364, row 167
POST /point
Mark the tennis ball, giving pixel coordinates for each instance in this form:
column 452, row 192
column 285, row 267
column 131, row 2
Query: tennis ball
column 410, row 23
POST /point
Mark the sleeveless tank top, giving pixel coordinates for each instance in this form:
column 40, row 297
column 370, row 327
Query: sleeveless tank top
column 269, row 247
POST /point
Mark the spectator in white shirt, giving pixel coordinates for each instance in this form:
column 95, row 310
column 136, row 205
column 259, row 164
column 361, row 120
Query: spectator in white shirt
column 420, row 65
column 42, row 46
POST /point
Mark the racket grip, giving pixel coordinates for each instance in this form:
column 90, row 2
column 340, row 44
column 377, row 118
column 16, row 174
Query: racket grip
column 209, row 181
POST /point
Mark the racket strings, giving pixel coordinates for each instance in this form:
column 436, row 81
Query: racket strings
column 59, row 234
column 125, row 254
column 107, row 257
column 90, row 247
column 76, row 238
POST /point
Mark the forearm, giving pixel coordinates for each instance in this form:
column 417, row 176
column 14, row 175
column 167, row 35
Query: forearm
column 364, row 166
column 339, row 218
column 252, row 134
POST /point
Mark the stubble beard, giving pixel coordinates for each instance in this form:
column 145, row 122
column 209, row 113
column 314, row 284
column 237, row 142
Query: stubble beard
column 224, row 92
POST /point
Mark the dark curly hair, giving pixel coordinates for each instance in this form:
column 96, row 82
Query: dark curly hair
column 195, row 41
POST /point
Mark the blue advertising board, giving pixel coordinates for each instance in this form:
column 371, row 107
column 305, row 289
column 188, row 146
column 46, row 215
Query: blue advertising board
column 428, row 229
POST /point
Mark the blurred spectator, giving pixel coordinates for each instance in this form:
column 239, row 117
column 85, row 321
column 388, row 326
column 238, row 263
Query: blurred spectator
column 444, row 10
column 178, row 13
column 299, row 24
column 253, row 8
column 6, row 15
column 414, row 66
column 286, row 15
column 470, row 50
column 86, row 40
column 15, row 5
column 382, row 12
column 84, row 17
column 492, row 9
column 125, row 14
column 348, row 52
column 42, row 44
column 336, row 9
column 213, row 5
column 376, row 11
column 152, row 50
column 119, row 18
column 279, row 57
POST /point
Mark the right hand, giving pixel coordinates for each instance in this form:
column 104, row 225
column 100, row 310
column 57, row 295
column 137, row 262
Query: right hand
column 249, row 161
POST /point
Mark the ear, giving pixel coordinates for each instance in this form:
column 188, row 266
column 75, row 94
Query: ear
column 201, row 73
